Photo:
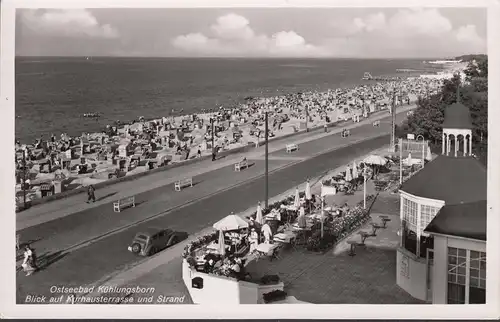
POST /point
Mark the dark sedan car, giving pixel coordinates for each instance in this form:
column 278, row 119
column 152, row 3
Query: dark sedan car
column 153, row 240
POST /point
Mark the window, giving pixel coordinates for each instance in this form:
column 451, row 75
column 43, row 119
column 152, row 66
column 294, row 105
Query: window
column 477, row 278
column 410, row 214
column 466, row 276
column 427, row 213
column 457, row 262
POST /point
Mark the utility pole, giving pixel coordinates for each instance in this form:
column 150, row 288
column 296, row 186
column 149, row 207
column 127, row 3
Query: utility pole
column 212, row 121
column 307, row 117
column 267, row 158
column 393, row 122
column 24, row 179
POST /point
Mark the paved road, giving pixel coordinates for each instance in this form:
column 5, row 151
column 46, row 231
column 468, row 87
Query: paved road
column 89, row 264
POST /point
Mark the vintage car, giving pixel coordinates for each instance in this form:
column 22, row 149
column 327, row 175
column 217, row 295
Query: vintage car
column 153, row 240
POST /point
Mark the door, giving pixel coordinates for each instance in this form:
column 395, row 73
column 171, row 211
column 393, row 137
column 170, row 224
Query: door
column 429, row 266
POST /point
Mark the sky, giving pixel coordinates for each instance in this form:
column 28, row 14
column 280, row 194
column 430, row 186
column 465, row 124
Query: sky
column 253, row 32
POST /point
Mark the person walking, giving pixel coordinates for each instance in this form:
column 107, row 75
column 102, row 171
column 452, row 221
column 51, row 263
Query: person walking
column 29, row 262
column 91, row 193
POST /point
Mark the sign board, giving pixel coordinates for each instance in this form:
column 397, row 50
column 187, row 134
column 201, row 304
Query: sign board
column 405, row 266
column 410, row 136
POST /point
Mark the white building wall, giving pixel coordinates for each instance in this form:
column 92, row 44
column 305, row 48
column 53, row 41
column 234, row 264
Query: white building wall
column 411, row 274
column 440, row 268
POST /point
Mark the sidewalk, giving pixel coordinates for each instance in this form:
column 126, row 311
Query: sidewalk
column 60, row 208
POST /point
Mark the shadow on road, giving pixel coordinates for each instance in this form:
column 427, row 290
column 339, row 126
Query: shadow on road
column 106, row 196
column 48, row 259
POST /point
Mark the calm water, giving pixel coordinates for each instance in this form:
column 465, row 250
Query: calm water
column 53, row 93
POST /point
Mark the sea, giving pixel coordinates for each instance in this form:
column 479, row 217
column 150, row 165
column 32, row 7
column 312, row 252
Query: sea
column 53, row 93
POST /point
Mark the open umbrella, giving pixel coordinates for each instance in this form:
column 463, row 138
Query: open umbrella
column 348, row 176
column 231, row 222
column 222, row 245
column 308, row 191
column 375, row 160
column 354, row 170
column 258, row 215
column 428, row 156
column 296, row 201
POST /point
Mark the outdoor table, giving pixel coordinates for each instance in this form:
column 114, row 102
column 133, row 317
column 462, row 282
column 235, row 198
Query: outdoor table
column 374, row 228
column 352, row 250
column 265, row 248
column 384, row 222
column 285, row 237
column 214, row 247
column 271, row 216
column 363, row 235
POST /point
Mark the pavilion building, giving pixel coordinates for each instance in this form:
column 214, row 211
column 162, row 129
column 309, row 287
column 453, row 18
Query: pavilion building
column 442, row 254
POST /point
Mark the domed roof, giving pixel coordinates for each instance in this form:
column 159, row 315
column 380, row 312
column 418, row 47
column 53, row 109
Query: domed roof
column 457, row 116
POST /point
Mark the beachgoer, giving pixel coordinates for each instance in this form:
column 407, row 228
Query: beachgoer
column 199, row 153
column 91, row 193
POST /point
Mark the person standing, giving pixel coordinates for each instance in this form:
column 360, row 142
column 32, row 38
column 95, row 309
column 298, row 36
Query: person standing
column 91, row 193
column 28, row 264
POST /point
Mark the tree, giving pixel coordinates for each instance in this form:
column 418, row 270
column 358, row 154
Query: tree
column 428, row 117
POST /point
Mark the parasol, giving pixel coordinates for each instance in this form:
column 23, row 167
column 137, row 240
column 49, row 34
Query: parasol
column 231, row 222
column 375, row 160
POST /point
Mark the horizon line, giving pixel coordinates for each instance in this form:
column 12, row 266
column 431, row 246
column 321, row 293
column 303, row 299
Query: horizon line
column 244, row 57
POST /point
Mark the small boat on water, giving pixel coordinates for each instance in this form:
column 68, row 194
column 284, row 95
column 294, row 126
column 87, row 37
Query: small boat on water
column 91, row 115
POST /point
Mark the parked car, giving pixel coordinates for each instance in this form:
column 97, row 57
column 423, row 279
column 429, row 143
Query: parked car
column 153, row 240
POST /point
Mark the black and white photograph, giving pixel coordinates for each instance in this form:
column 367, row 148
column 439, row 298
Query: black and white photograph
column 171, row 155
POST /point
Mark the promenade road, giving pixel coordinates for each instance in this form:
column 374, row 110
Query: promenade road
column 48, row 211
column 86, row 265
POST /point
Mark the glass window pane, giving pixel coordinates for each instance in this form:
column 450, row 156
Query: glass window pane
column 456, row 294
column 482, row 284
column 452, row 251
column 452, row 278
column 461, row 261
column 474, row 282
column 477, row 295
column 474, row 272
column 483, row 264
column 474, row 264
column 452, row 259
column 482, row 273
column 474, row 254
column 462, row 252
column 461, row 270
column 461, row 279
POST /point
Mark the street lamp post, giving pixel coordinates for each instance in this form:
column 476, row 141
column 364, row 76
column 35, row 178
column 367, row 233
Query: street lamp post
column 267, row 157
column 423, row 149
column 24, row 178
column 307, row 117
column 365, row 177
column 212, row 121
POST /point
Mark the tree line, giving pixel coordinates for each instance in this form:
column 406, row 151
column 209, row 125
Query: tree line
column 428, row 117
